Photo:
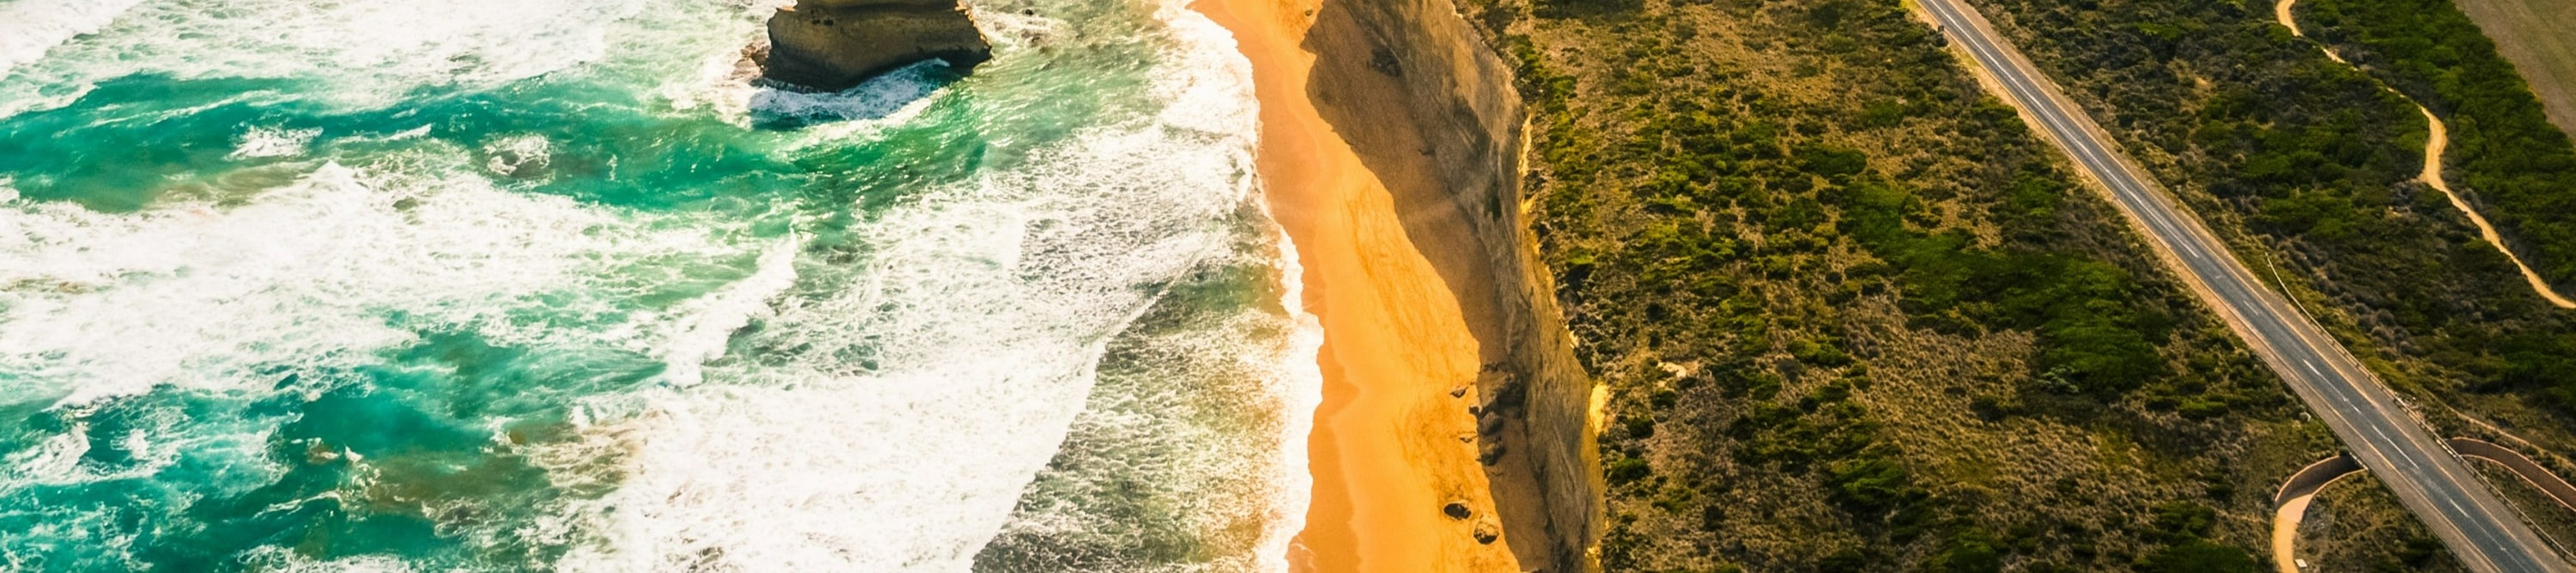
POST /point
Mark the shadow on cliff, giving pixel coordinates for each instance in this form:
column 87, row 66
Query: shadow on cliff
column 1434, row 114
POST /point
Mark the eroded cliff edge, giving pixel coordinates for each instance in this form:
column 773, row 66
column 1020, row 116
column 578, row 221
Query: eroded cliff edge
column 1432, row 110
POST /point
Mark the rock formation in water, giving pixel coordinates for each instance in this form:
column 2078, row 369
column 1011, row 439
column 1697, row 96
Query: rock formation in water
column 833, row 45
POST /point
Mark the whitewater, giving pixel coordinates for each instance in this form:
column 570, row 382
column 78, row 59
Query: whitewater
column 550, row 285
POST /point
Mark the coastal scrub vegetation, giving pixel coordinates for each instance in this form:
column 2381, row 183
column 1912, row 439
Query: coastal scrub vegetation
column 2503, row 149
column 1854, row 316
column 2308, row 167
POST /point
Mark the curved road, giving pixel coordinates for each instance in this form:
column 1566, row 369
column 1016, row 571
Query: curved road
column 2435, row 484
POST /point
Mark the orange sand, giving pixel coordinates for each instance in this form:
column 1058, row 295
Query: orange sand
column 1387, row 450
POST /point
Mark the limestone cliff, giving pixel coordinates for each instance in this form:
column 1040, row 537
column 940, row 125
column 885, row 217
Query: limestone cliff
column 833, row 45
column 1431, row 109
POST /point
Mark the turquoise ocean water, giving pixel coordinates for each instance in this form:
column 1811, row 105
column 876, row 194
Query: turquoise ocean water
column 547, row 285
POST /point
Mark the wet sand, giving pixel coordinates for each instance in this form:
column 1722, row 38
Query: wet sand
column 1393, row 442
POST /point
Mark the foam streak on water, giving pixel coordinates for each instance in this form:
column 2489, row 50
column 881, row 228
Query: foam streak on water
column 1301, row 378
column 706, row 324
column 197, row 296
column 986, row 306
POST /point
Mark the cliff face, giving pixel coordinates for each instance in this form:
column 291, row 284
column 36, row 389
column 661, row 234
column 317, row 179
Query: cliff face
column 1432, row 111
column 834, row 45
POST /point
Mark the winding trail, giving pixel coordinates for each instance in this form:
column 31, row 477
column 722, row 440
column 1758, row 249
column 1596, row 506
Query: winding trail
column 2379, row 429
column 2432, row 175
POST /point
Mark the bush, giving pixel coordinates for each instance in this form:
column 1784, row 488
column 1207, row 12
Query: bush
column 1627, row 470
column 2198, row 556
column 2503, row 145
column 1972, row 551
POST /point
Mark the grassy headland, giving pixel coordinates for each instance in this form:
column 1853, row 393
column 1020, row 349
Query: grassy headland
column 2309, row 165
column 1854, row 316
column 2505, row 151
column 2307, row 162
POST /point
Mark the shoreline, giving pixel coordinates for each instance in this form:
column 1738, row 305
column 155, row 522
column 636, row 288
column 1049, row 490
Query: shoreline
column 1392, row 444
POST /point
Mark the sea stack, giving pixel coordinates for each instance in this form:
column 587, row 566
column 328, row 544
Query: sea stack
column 833, row 45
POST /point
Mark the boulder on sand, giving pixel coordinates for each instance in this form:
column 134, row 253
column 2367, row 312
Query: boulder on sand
column 833, row 45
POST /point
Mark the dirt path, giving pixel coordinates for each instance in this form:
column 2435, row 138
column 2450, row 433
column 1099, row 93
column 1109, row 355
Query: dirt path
column 2290, row 505
column 2432, row 175
column 2285, row 531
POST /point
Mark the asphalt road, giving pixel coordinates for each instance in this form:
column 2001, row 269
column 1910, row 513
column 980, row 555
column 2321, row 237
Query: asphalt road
column 2429, row 479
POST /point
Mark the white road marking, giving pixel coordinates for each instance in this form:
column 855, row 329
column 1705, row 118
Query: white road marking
column 2480, row 530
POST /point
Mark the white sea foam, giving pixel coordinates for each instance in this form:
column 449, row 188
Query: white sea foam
column 371, row 52
column 707, row 323
column 1301, row 390
column 723, row 82
column 108, row 535
column 29, row 28
column 1196, row 433
column 95, row 304
column 896, row 96
column 234, row 458
column 909, row 402
column 283, row 560
column 1013, row 30
column 1298, row 385
column 895, row 409
column 261, row 142
column 518, row 155
column 413, row 133
column 152, row 440
column 1203, row 429
column 52, row 460
column 318, row 276
column 985, row 311
column 699, row 47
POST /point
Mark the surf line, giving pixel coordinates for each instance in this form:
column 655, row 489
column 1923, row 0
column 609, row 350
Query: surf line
column 2432, row 174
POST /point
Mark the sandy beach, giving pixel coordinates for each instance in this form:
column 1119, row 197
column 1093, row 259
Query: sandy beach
column 1393, row 443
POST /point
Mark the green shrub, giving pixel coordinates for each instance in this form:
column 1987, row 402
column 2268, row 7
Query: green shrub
column 2198, row 556
column 1627, row 470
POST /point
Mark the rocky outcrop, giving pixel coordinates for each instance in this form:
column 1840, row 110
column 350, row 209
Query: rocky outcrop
column 833, row 45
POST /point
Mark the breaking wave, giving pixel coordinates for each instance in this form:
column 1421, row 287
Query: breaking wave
column 392, row 322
